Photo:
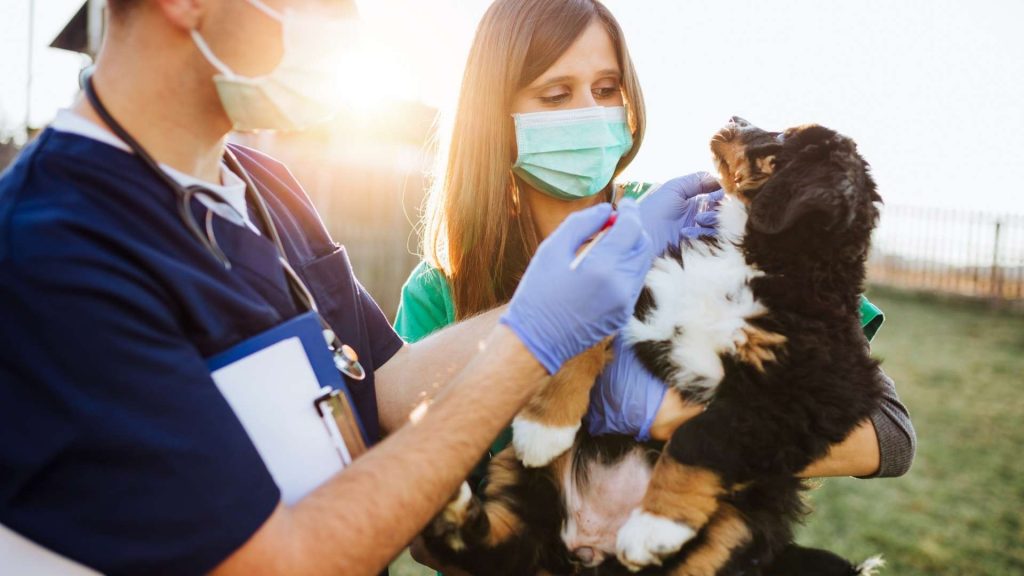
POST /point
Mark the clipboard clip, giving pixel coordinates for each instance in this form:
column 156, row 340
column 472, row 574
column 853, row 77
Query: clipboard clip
column 340, row 421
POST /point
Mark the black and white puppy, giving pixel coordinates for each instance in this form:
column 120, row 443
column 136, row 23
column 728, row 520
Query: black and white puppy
column 761, row 325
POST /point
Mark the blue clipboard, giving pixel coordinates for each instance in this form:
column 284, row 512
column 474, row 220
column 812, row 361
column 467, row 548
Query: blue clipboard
column 291, row 400
column 309, row 331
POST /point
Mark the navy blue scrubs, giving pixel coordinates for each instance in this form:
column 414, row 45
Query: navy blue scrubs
column 116, row 449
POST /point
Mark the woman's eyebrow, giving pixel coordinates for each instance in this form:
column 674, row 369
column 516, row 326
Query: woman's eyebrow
column 567, row 78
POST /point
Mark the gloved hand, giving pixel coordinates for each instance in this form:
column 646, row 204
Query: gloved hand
column 626, row 397
column 558, row 312
column 670, row 212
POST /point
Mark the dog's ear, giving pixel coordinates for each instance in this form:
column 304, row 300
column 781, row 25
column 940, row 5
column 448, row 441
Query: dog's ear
column 811, row 183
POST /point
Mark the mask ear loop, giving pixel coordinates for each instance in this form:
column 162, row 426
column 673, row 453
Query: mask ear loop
column 259, row 5
column 207, row 53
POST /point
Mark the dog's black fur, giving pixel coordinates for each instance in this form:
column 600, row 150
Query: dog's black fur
column 808, row 230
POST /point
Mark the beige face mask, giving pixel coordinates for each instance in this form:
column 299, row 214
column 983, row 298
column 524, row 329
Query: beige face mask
column 303, row 90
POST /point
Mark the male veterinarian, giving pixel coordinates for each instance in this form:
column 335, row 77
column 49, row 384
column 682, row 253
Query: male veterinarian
column 141, row 257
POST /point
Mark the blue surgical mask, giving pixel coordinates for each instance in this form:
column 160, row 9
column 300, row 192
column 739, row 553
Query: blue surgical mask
column 571, row 154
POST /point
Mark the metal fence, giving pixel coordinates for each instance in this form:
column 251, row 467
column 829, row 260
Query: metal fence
column 967, row 253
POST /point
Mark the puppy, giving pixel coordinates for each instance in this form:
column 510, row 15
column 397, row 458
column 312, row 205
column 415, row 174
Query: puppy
column 760, row 324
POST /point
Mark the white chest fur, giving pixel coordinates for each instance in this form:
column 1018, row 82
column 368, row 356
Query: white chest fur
column 701, row 304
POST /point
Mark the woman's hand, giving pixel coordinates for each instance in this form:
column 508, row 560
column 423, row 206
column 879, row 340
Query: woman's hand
column 672, row 211
column 627, row 399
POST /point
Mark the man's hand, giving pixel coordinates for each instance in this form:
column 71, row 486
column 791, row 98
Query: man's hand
column 558, row 311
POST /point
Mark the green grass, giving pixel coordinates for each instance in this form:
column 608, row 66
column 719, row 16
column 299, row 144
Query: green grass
column 959, row 368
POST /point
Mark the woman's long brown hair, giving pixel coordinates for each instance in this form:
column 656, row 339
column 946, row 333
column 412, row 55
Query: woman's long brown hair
column 478, row 230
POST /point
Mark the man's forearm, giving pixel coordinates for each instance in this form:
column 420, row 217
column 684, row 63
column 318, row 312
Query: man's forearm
column 419, row 371
column 360, row 519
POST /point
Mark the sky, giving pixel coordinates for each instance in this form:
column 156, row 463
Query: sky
column 932, row 90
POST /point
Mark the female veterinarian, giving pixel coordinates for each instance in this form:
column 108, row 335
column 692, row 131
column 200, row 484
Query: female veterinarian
column 183, row 344
column 550, row 111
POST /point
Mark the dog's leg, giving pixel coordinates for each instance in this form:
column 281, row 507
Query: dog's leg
column 679, row 501
column 547, row 426
column 502, row 531
column 697, row 467
column 725, row 533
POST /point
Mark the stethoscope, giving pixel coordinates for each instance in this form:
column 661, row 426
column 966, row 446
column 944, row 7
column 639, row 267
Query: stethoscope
column 345, row 357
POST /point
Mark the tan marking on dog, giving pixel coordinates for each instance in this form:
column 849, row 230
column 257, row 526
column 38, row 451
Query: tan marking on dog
column 565, row 398
column 726, row 532
column 731, row 162
column 503, row 522
column 504, row 471
column 736, row 174
column 687, row 494
column 766, row 165
column 759, row 347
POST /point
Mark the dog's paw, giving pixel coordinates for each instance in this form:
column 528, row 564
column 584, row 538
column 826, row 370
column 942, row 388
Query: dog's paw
column 871, row 566
column 447, row 526
column 647, row 539
column 537, row 445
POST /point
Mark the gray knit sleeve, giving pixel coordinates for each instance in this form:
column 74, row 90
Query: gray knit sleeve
column 897, row 441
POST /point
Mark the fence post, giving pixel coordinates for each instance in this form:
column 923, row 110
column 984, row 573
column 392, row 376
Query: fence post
column 997, row 288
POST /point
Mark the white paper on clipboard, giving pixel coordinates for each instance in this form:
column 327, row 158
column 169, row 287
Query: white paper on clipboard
column 19, row 555
column 271, row 392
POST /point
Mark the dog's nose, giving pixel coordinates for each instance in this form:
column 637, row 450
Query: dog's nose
column 584, row 555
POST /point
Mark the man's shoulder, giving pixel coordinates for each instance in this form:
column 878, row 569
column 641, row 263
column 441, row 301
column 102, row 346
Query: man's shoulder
column 62, row 185
column 69, row 167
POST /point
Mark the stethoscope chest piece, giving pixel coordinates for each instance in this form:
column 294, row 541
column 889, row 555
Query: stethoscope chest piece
column 345, row 358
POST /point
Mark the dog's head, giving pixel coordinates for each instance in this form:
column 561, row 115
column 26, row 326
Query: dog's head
column 809, row 175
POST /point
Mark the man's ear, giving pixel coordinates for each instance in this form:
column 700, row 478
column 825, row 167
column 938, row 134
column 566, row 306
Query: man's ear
column 184, row 14
column 804, row 186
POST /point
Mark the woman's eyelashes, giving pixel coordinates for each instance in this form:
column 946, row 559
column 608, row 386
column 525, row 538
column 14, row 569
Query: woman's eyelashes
column 600, row 93
column 556, row 99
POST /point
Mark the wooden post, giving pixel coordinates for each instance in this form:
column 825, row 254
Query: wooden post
column 997, row 287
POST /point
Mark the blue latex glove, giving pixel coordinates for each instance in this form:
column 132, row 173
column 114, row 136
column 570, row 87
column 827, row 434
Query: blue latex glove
column 626, row 397
column 558, row 312
column 670, row 212
column 705, row 222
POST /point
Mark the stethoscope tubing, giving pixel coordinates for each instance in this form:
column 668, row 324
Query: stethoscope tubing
column 345, row 358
